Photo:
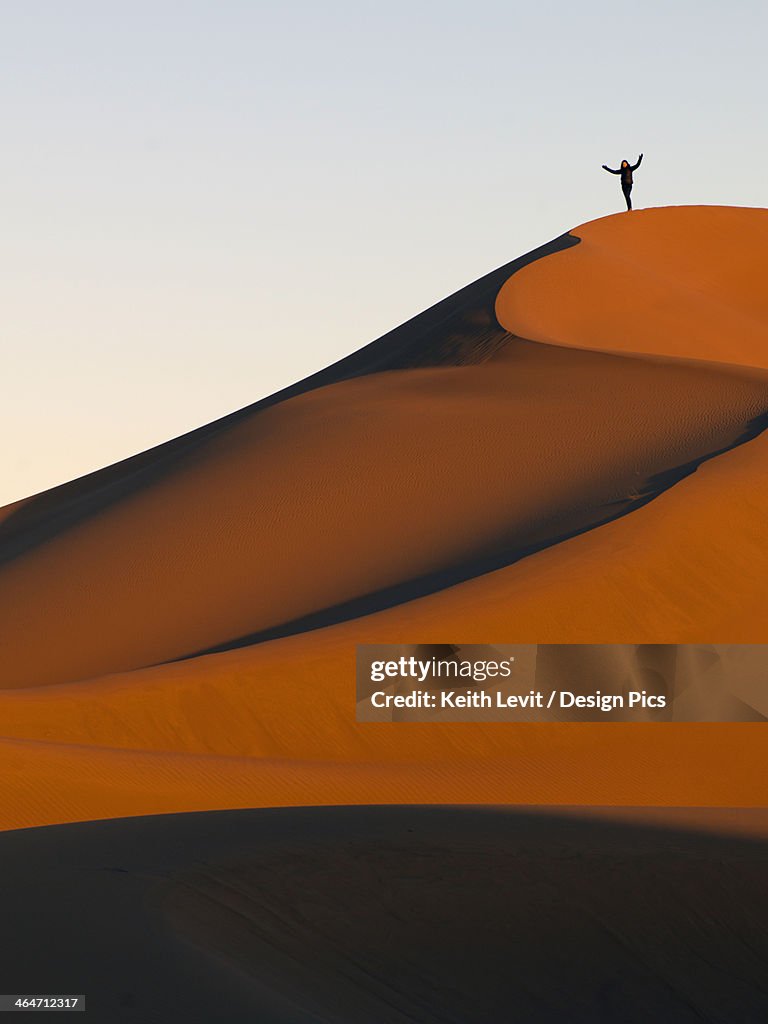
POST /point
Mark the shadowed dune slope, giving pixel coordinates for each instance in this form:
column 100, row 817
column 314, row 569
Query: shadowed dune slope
column 684, row 281
column 390, row 915
column 460, row 330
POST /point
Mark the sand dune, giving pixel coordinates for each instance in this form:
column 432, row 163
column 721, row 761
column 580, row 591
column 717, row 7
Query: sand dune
column 374, row 500
column 390, row 915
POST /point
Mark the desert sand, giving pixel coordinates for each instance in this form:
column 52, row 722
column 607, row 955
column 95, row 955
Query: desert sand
column 563, row 475
column 391, row 915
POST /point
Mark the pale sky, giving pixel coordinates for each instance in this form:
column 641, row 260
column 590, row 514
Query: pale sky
column 205, row 201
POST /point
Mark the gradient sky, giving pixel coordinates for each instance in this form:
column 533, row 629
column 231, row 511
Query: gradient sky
column 203, row 202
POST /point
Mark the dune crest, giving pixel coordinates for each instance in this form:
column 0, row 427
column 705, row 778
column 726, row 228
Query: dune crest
column 685, row 281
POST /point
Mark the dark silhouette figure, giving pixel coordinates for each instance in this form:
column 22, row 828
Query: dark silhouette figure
column 626, row 177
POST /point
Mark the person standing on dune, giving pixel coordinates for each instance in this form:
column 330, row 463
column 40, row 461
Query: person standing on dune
column 625, row 171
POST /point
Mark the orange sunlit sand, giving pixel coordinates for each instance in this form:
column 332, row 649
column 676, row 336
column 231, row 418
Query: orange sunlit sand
column 588, row 469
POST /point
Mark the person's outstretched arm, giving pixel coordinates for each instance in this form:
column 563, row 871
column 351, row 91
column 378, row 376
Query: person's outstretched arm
column 639, row 161
column 611, row 170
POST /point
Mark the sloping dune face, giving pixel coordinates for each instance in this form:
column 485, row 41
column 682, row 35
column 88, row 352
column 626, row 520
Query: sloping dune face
column 357, row 488
column 452, row 482
column 676, row 281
